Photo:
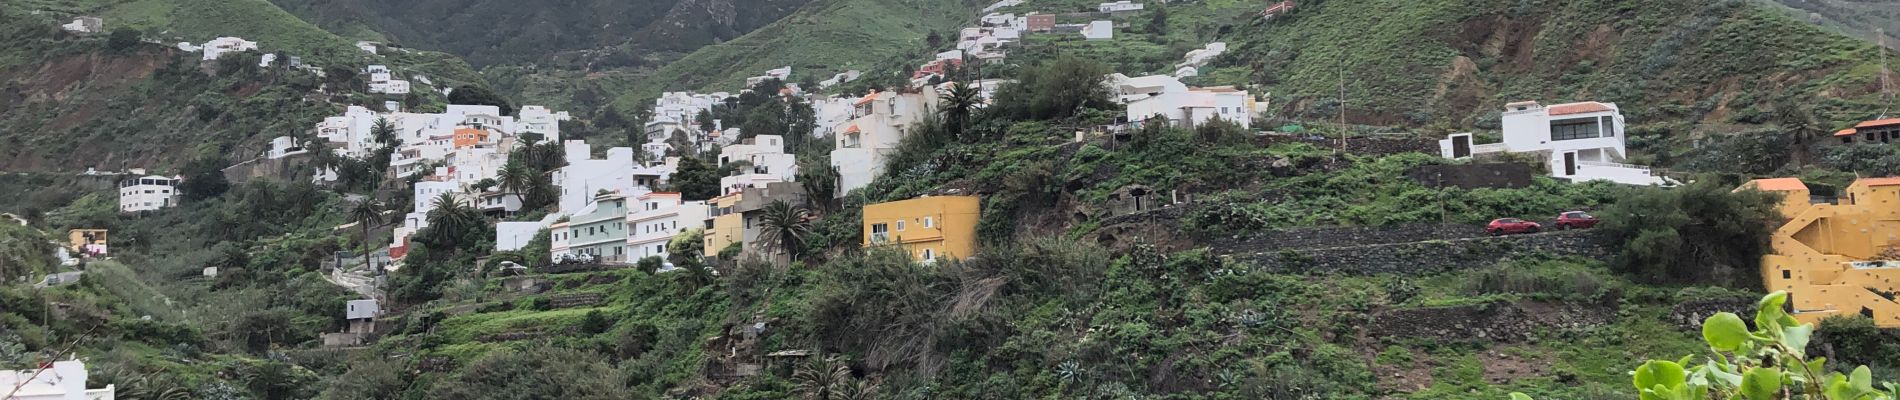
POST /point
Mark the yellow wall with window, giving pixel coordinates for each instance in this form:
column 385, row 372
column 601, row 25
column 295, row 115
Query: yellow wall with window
column 728, row 227
column 929, row 228
column 1837, row 259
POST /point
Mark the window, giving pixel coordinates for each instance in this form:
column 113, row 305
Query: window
column 1572, row 129
column 930, row 255
column 930, row 222
column 900, row 225
column 1609, row 126
column 879, row 229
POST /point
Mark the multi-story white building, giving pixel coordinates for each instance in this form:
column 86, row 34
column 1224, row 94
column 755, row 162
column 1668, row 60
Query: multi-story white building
column 585, row 176
column 85, row 25
column 540, row 121
column 1183, row 106
column 284, row 146
column 1192, row 62
column 1577, row 141
column 879, row 121
column 63, row 380
column 218, row 47
column 148, row 193
column 659, row 216
column 1119, row 6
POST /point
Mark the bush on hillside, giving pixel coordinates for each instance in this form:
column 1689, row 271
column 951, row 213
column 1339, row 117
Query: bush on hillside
column 1054, row 90
column 1703, row 232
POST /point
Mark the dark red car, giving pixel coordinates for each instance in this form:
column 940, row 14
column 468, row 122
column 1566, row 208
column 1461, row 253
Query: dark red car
column 1576, row 220
column 1506, row 226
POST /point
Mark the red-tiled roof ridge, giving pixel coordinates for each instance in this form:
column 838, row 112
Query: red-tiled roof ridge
column 1887, row 181
column 1579, row 108
column 1878, row 122
column 1779, row 184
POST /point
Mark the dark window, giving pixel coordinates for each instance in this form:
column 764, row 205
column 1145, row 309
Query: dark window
column 1573, row 129
column 1609, row 126
column 1786, row 275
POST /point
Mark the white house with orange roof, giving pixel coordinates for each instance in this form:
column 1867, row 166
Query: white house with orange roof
column 1578, row 141
column 879, row 121
column 657, row 217
column 1879, row 131
column 1183, row 106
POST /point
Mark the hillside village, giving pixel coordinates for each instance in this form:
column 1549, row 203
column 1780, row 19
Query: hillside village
column 996, row 218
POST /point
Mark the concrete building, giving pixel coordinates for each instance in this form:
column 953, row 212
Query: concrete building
column 1578, row 141
column 88, row 242
column 725, row 226
column 1119, row 6
column 928, row 228
column 148, row 193
column 840, row 78
column 1192, row 62
column 1881, row 131
column 602, row 231
column 736, row 218
column 584, row 176
column 767, row 159
column 1183, row 106
column 1040, row 22
column 85, row 25
column 59, row 380
column 284, row 146
column 879, row 121
column 218, row 47
column 658, row 218
column 1837, row 259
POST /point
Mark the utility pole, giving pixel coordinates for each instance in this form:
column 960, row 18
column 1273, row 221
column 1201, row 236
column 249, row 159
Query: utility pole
column 1886, row 77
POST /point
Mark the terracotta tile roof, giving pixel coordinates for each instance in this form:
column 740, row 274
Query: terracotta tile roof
column 852, row 129
column 1846, row 132
column 1888, row 181
column 1578, row 108
column 1879, row 122
column 867, row 98
column 1779, row 184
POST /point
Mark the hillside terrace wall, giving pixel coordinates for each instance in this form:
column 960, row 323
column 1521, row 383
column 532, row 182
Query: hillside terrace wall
column 1426, row 257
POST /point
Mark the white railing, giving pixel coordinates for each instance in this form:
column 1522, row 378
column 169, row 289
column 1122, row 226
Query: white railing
column 1489, row 148
column 1643, row 168
column 880, row 237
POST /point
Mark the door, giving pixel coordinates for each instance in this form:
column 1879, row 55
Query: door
column 1570, row 163
column 1461, row 146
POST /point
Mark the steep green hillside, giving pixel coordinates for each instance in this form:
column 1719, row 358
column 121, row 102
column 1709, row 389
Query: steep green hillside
column 1455, row 63
column 588, row 34
column 1854, row 18
column 823, row 38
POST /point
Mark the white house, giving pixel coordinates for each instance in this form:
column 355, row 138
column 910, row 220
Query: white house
column 148, row 193
column 657, row 217
column 1099, row 30
column 217, row 47
column 839, row 78
column 878, row 123
column 540, row 121
column 995, row 19
column 1002, row 3
column 393, row 86
column 585, row 176
column 1183, row 106
column 367, row 46
column 769, row 163
column 85, row 25
column 63, row 380
column 780, row 73
column 285, row 146
column 1578, row 141
column 1192, row 62
column 1119, row 6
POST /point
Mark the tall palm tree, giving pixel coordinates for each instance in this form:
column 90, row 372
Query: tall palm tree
column 514, row 176
column 452, row 218
column 820, row 183
column 1797, row 118
column 367, row 213
column 963, row 101
column 785, row 226
column 383, row 131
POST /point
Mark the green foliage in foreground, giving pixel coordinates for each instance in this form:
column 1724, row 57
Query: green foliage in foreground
column 1767, row 362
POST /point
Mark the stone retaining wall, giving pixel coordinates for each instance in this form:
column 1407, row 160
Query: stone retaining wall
column 1343, row 236
column 1426, row 257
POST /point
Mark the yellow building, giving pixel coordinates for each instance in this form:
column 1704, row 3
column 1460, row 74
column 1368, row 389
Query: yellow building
column 728, row 225
column 1795, row 195
column 1839, row 259
column 929, row 228
column 87, row 241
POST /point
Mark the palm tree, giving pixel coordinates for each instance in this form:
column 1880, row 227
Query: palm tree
column 451, row 219
column 821, row 185
column 963, row 100
column 383, row 132
column 785, row 226
column 1797, row 118
column 823, row 379
column 367, row 213
column 514, row 176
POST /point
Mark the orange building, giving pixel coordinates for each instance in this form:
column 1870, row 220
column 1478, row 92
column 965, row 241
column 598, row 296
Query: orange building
column 1838, row 259
column 469, row 137
column 1794, row 194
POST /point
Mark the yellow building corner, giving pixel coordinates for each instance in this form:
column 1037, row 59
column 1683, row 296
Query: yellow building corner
column 1837, row 259
column 929, row 228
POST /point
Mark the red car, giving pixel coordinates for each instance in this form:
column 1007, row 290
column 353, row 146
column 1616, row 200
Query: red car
column 1576, row 220
column 1506, row 226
